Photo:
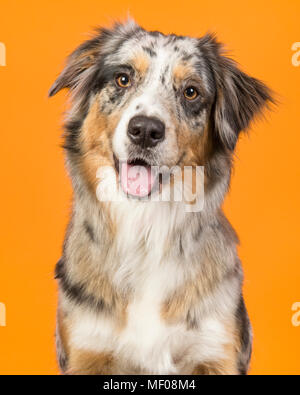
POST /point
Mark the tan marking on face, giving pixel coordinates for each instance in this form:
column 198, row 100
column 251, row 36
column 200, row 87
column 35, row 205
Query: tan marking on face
column 196, row 146
column 141, row 63
column 197, row 152
column 95, row 143
column 181, row 71
column 194, row 150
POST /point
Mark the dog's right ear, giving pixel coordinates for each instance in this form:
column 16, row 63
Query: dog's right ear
column 81, row 60
column 81, row 68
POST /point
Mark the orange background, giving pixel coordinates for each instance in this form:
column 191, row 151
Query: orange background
column 35, row 191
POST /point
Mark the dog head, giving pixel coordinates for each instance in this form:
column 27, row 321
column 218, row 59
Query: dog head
column 149, row 99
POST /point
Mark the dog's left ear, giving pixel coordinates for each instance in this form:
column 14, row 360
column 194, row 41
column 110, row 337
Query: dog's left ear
column 239, row 97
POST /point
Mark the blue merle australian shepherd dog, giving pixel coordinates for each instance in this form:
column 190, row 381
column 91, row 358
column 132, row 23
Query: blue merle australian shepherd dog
column 145, row 286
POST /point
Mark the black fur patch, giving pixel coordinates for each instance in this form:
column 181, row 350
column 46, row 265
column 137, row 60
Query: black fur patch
column 150, row 51
column 186, row 57
column 77, row 293
column 191, row 321
column 59, row 269
column 163, row 76
column 89, row 230
column 181, row 251
column 72, row 129
column 243, row 324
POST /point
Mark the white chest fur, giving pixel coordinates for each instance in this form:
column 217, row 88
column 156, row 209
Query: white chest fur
column 147, row 340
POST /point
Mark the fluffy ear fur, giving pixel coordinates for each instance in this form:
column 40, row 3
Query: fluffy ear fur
column 84, row 57
column 239, row 97
column 85, row 61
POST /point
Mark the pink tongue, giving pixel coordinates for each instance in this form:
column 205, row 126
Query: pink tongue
column 136, row 180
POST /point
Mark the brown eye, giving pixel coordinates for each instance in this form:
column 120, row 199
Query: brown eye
column 123, row 80
column 190, row 93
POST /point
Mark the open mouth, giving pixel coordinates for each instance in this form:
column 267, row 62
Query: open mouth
column 137, row 177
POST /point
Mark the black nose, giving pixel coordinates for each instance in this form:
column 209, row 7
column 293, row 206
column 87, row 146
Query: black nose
column 146, row 131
